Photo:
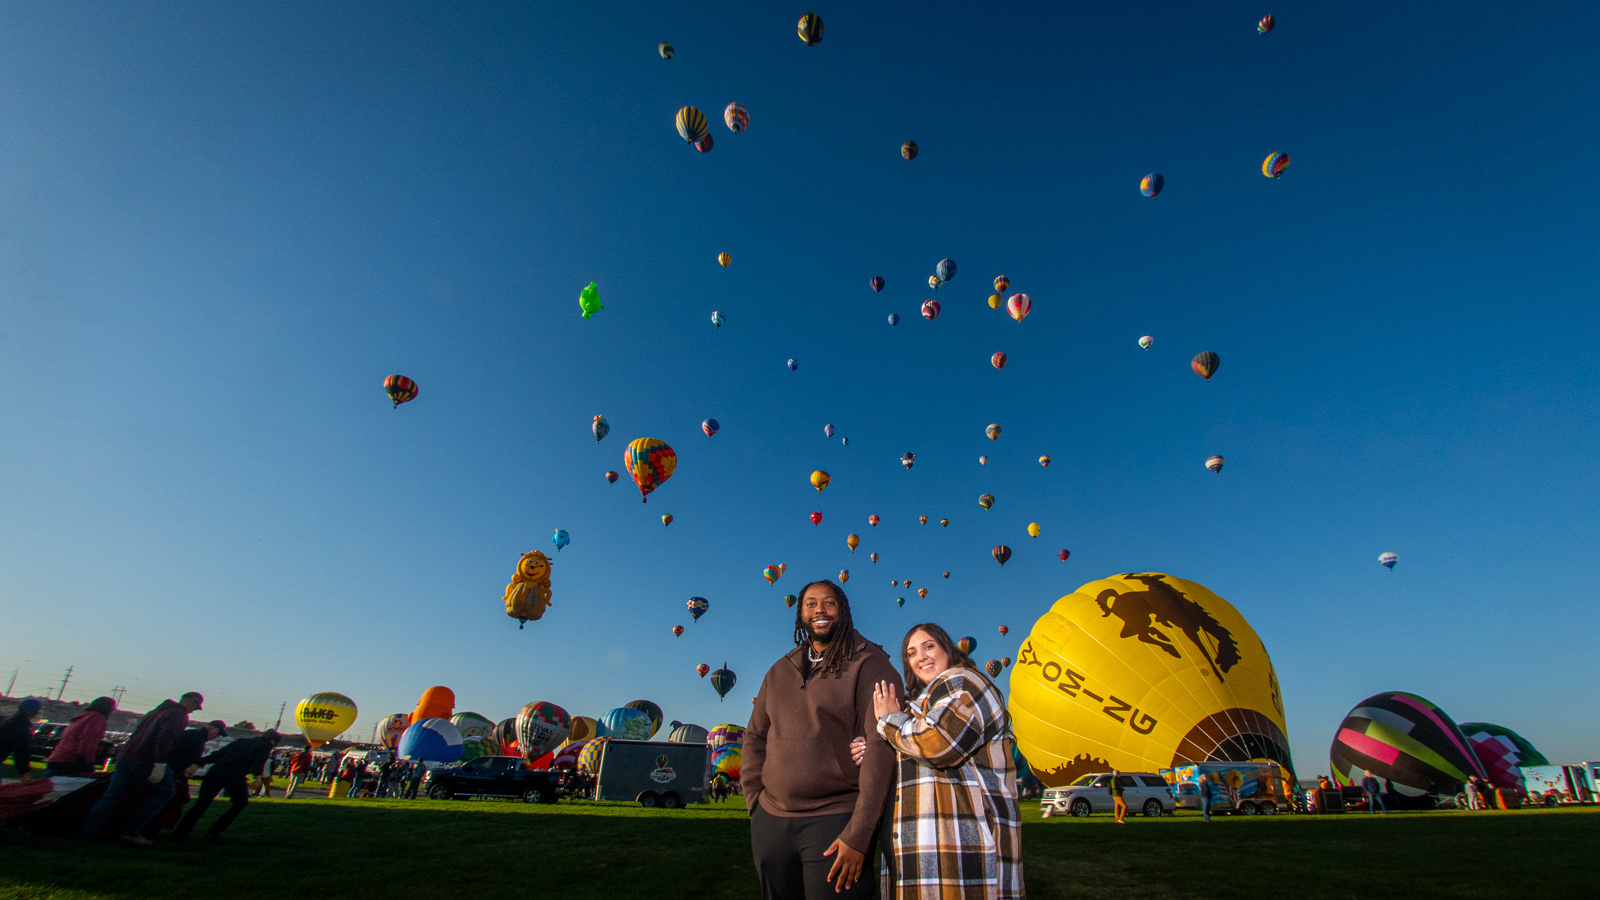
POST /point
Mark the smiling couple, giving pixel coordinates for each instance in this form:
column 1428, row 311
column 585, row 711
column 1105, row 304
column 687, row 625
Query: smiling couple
column 836, row 766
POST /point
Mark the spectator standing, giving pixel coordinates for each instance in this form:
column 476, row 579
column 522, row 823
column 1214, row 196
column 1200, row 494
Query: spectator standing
column 231, row 767
column 16, row 735
column 1374, row 791
column 1118, row 804
column 418, row 770
column 1206, row 793
column 299, row 767
column 143, row 759
column 75, row 753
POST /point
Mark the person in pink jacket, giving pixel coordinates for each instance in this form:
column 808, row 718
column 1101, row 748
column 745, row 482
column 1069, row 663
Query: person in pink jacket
column 75, row 753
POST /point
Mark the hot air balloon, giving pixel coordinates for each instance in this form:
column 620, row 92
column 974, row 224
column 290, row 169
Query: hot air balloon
column 560, row 539
column 1146, row 342
column 710, row 427
column 922, row 519
column 704, row 144
column 665, row 49
column 1001, row 553
column 998, row 360
column 1005, row 661
column 698, row 607
column 601, row 428
column 433, row 739
column 844, row 576
column 872, row 556
column 626, row 724
column 794, row 365
column 782, row 568
column 810, row 32
column 771, row 574
column 853, row 541
column 1196, row 680
column 611, row 477
column 983, row 460
column 437, row 702
column 986, row 501
column 1407, row 741
column 1001, row 283
column 677, row 631
column 1151, row 184
column 1044, row 461
column 816, row 518
column 908, row 460
column 995, row 300
column 993, row 668
column 649, row 708
column 930, row 309
column 666, row 520
column 947, row 576
column 589, row 301
column 1214, row 463
column 895, row 583
column 389, row 729
column 323, row 717
column 1266, row 23
column 946, row 269
column 1387, row 560
column 1063, row 555
column 790, row 600
column 593, row 753
column 908, row 582
column 899, row 601
column 1019, row 306
column 723, row 680
column 992, row 431
column 923, row 593
column 702, row 670
column 688, row 734
column 935, row 282
column 877, row 284
column 692, row 124
column 737, row 118
column 820, row 480
column 827, row 431
column 944, row 523
column 651, row 462
column 894, row 319
column 967, row 645
column 1033, row 529
column 400, row 389
column 909, row 149
column 1205, row 364
column 1273, row 165
column 718, row 319
column 873, row 520
column 1502, row 752
column 541, row 726
column 844, row 441
column 1003, row 630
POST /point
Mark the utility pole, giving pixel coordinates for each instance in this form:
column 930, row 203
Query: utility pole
column 64, row 679
column 117, row 692
column 14, row 673
column 280, row 714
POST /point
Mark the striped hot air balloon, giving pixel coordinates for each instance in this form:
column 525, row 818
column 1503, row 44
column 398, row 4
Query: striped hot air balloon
column 1205, row 364
column 692, row 124
column 1405, row 740
column 930, row 309
column 400, row 389
column 909, row 149
column 1273, row 165
column 665, row 49
column 1265, row 25
column 1019, row 305
column 1214, row 463
column 810, row 29
column 998, row 360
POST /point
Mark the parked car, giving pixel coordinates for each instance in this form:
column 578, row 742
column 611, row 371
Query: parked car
column 1145, row 793
column 491, row 776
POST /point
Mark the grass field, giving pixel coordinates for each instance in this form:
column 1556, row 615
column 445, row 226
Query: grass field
column 385, row 848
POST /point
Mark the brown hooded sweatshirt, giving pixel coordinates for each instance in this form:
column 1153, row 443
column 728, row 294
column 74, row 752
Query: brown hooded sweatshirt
column 796, row 754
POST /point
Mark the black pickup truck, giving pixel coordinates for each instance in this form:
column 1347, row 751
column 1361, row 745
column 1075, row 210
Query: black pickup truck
column 492, row 776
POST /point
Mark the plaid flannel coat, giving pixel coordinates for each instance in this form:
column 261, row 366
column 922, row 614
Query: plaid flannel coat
column 957, row 825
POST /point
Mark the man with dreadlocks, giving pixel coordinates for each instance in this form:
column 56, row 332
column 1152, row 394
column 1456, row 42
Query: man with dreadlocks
column 813, row 815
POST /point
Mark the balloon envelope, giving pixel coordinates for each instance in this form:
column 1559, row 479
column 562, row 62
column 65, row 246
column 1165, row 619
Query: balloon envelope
column 1001, row 554
column 1407, row 741
column 627, row 724
column 723, row 680
column 946, row 269
column 810, row 29
column 737, row 118
column 820, row 480
column 589, row 758
column 930, row 309
column 561, row 538
column 877, row 285
column 324, row 716
column 1151, row 184
column 437, row 702
column 1502, row 752
column 1019, row 305
column 649, row 708
column 698, row 607
column 541, row 727
column 1387, row 560
column 998, row 360
column 583, row 728
column 688, row 734
column 1266, row 23
column 1273, row 165
column 1181, row 678
column 692, row 124
column 650, row 462
column 1214, row 463
column 665, row 49
column 400, row 389
column 1146, row 342
column 986, row 501
column 710, row 427
column 432, row 739
column 389, row 728
column 477, row 734
column 909, row 149
column 1205, row 364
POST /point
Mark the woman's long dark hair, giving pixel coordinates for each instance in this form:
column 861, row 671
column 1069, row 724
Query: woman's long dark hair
column 843, row 640
column 914, row 685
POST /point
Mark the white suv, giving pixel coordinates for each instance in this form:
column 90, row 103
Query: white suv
column 1144, row 792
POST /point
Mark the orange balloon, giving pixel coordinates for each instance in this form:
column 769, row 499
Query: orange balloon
column 437, row 703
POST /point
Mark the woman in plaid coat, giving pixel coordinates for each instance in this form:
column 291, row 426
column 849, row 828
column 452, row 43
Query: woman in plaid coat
column 957, row 830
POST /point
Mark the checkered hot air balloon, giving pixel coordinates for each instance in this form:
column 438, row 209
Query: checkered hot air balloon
column 651, row 462
column 736, row 117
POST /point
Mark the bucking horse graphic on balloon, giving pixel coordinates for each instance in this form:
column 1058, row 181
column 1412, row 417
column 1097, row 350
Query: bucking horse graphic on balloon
column 1165, row 605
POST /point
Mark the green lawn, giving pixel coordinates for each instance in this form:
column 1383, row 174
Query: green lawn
column 387, row 849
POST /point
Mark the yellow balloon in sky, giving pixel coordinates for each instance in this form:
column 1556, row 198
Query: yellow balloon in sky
column 1033, row 529
column 1142, row 672
column 323, row 717
column 820, row 480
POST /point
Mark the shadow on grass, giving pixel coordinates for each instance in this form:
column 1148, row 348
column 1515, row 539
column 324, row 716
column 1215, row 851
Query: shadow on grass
column 356, row 849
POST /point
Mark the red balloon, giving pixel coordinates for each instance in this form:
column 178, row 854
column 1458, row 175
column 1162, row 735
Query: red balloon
column 816, row 518
column 1063, row 554
column 1003, row 630
column 947, row 574
column 702, row 669
column 611, row 477
column 873, row 520
column 677, row 631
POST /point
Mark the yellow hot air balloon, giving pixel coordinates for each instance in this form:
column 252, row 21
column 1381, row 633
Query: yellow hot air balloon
column 820, row 480
column 725, row 258
column 995, row 300
column 1033, row 529
column 1142, row 672
column 854, row 541
column 323, row 717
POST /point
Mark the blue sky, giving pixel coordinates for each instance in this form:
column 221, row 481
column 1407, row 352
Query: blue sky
column 222, row 226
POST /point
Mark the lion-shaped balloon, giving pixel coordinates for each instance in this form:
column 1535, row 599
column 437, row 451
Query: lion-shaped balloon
column 528, row 594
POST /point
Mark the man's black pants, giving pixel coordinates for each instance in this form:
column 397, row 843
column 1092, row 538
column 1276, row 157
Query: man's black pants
column 237, row 787
column 788, row 855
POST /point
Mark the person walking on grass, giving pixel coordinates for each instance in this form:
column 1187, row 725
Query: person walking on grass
column 231, row 768
column 143, row 760
column 1374, row 791
column 813, row 816
column 299, row 768
column 1118, row 804
column 1206, row 793
column 75, row 753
